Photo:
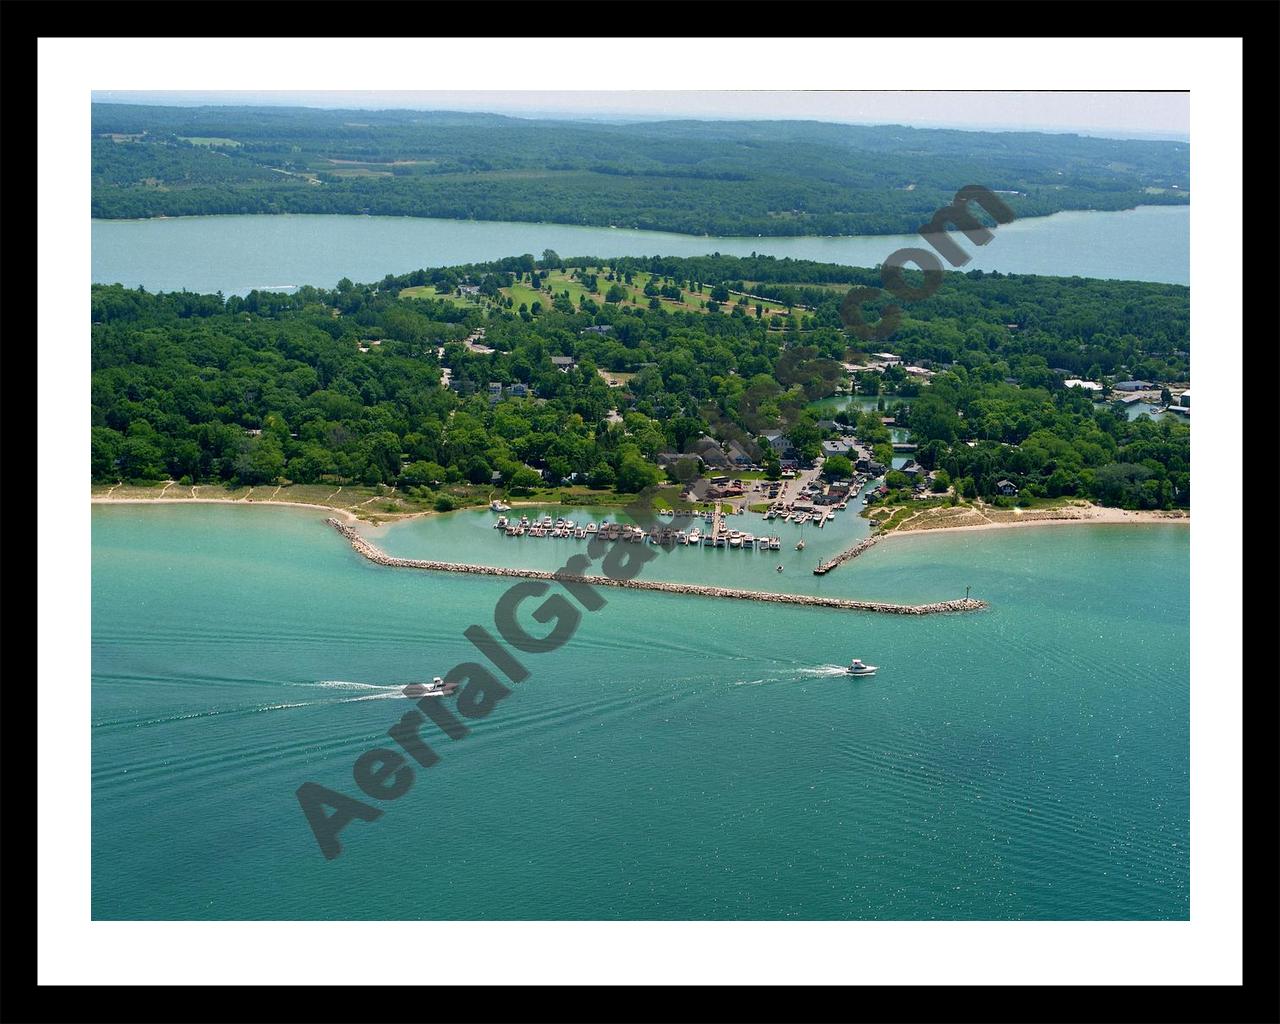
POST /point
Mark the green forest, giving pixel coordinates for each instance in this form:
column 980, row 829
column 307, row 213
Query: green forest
column 765, row 178
column 344, row 385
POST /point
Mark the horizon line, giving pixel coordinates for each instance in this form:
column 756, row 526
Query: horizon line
column 619, row 117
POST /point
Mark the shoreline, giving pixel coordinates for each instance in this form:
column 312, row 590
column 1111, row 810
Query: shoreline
column 102, row 499
column 1087, row 515
column 1091, row 515
column 381, row 518
column 905, row 233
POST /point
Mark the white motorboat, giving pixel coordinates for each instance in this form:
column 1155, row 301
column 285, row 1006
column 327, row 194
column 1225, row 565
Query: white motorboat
column 436, row 688
column 857, row 668
column 498, row 506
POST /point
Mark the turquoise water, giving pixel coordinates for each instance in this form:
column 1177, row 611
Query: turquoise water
column 679, row 758
column 237, row 254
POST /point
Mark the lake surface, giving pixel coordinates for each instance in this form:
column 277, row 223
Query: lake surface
column 235, row 254
column 678, row 758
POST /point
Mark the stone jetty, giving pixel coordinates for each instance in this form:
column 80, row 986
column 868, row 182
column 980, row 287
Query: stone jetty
column 844, row 556
column 374, row 554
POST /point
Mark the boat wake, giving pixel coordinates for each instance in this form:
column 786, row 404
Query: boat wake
column 784, row 675
column 395, row 693
column 376, row 691
column 372, row 691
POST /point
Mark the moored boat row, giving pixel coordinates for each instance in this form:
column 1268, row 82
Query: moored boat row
column 667, row 536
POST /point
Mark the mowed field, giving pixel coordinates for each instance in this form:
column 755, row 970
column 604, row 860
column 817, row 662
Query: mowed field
column 428, row 291
column 560, row 281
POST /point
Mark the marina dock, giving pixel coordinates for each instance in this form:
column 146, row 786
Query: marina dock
column 718, row 532
column 374, row 554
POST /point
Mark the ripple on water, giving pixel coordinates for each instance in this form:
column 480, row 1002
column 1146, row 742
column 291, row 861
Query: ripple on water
column 678, row 758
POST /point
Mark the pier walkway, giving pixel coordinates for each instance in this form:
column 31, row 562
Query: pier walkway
column 825, row 567
column 375, row 554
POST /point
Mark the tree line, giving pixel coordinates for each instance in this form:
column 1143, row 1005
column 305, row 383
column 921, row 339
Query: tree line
column 345, row 384
column 719, row 178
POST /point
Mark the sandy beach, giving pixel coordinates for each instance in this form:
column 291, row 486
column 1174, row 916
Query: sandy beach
column 950, row 519
column 102, row 499
column 349, row 512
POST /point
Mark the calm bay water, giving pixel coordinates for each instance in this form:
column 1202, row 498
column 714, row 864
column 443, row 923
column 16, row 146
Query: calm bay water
column 678, row 758
column 237, row 254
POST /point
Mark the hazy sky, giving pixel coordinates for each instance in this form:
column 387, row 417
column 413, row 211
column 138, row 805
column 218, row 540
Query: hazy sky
column 1115, row 114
